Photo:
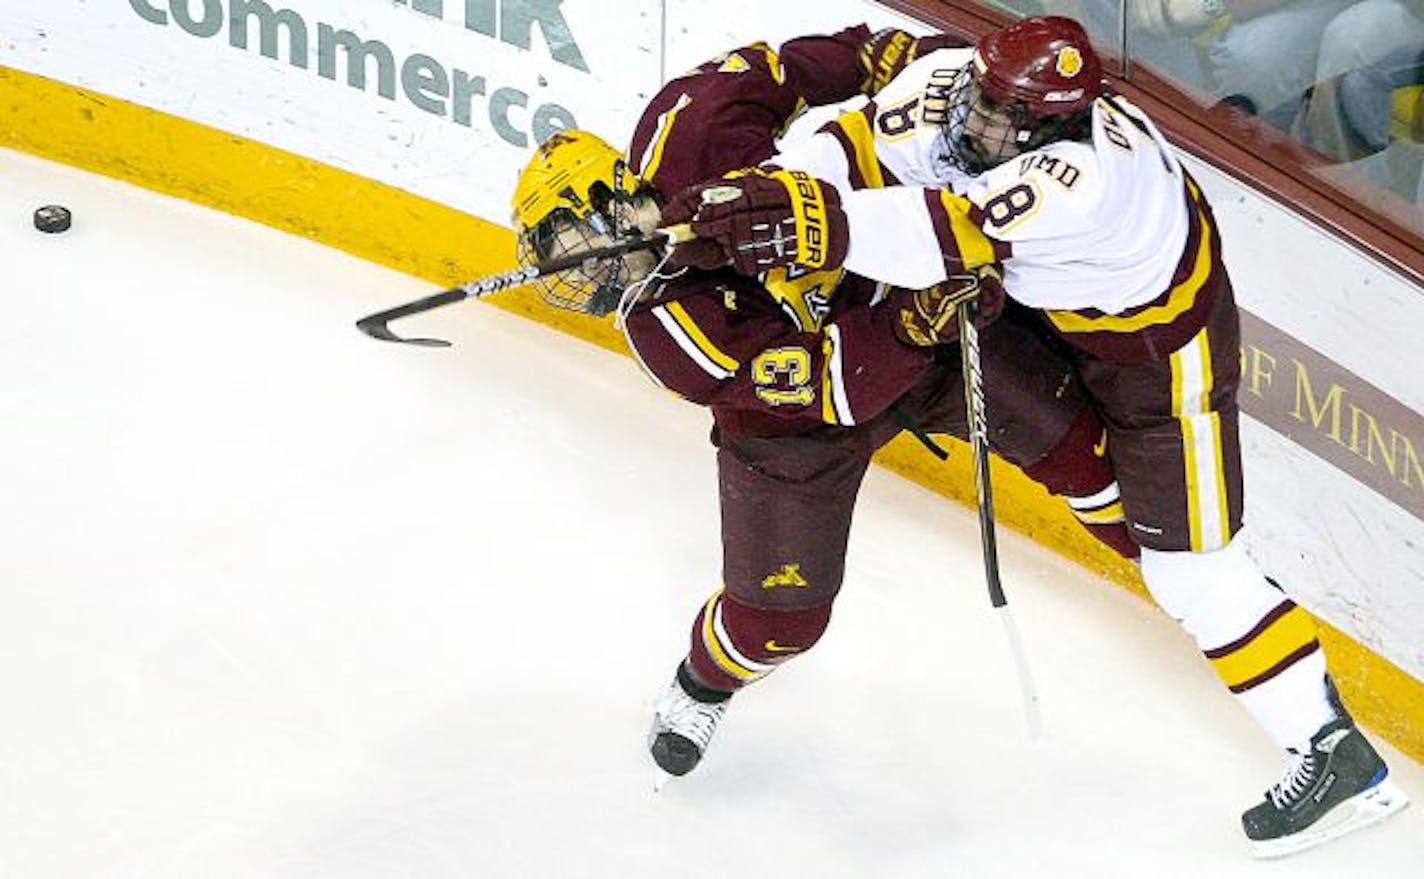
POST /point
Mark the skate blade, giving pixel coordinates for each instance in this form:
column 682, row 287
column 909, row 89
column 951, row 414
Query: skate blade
column 1360, row 811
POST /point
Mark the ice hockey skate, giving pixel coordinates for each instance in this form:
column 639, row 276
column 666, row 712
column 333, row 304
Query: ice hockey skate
column 685, row 718
column 1337, row 787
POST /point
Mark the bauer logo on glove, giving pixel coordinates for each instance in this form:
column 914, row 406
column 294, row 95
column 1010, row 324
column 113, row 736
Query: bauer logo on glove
column 764, row 220
column 809, row 212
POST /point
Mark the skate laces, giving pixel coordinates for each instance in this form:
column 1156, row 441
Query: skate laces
column 1299, row 776
column 695, row 721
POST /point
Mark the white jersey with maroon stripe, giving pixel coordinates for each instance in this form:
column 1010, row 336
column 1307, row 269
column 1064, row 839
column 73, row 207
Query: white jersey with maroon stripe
column 1079, row 225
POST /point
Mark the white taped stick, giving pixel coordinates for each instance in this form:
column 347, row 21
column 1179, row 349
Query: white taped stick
column 984, row 494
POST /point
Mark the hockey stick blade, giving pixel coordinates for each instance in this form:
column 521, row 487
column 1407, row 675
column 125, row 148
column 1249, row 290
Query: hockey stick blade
column 377, row 325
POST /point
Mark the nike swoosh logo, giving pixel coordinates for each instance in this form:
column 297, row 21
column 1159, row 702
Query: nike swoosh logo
column 773, row 647
column 1100, row 447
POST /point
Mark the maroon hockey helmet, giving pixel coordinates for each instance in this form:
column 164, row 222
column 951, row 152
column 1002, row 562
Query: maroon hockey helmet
column 1046, row 64
column 1027, row 85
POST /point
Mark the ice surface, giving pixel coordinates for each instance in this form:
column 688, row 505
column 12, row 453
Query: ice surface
column 278, row 600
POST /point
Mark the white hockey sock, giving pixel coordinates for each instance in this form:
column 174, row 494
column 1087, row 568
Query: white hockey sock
column 1261, row 646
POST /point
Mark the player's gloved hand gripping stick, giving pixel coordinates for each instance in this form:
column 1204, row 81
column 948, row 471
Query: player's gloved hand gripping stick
column 377, row 325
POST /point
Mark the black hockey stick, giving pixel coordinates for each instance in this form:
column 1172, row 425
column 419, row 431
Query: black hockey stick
column 984, row 494
column 377, row 325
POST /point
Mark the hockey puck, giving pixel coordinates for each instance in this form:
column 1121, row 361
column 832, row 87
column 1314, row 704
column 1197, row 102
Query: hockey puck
column 52, row 218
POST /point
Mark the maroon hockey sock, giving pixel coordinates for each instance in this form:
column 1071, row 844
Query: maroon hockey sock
column 734, row 644
column 1077, row 465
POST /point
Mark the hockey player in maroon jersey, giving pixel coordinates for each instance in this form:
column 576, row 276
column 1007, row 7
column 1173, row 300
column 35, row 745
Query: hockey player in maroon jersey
column 1030, row 162
column 806, row 372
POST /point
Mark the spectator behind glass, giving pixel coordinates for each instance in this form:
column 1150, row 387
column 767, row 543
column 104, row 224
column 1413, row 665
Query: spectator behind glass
column 1365, row 33
column 1259, row 54
column 1327, row 72
column 1371, row 122
column 1367, row 98
column 1367, row 51
column 1175, row 57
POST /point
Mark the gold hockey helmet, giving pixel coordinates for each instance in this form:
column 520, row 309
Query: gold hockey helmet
column 576, row 193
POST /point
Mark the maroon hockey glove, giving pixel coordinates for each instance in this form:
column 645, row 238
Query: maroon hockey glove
column 758, row 220
column 929, row 317
column 891, row 50
column 697, row 253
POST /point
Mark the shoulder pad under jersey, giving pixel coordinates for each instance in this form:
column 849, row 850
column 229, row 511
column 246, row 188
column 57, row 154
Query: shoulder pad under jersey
column 904, row 142
column 911, row 82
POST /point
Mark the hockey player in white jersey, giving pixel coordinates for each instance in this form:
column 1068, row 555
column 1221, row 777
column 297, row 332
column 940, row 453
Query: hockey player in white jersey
column 1016, row 152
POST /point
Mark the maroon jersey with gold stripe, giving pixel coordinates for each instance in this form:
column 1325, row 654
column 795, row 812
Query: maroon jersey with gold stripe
column 727, row 113
column 785, row 352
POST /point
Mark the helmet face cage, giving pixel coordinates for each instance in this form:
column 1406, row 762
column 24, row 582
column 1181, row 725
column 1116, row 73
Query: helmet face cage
column 577, row 193
column 595, row 286
column 1029, row 84
column 983, row 132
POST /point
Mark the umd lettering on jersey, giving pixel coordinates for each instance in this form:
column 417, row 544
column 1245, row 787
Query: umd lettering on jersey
column 1053, row 166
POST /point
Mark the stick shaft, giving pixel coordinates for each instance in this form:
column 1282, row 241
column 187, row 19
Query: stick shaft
column 376, row 325
column 984, row 494
column 979, row 446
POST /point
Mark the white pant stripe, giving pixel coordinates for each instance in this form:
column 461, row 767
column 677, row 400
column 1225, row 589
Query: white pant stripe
column 1201, row 436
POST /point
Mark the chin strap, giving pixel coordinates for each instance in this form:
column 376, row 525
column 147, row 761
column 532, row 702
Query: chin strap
column 634, row 291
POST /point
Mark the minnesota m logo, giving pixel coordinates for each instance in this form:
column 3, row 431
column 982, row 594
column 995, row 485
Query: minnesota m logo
column 789, row 575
